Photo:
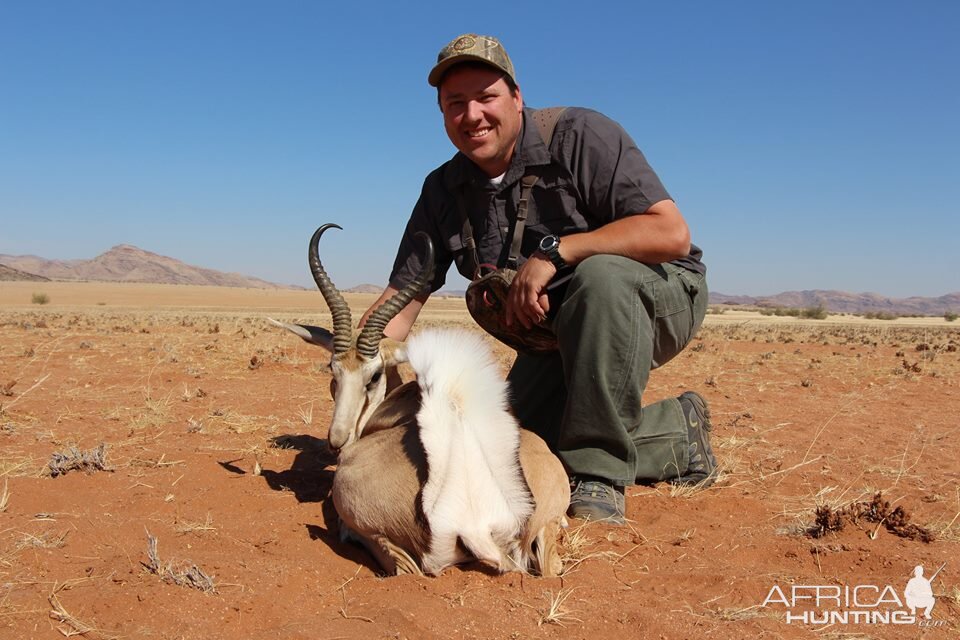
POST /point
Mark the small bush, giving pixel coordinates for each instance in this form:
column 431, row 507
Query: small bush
column 818, row 312
column 880, row 315
column 950, row 316
column 780, row 311
column 40, row 298
column 814, row 313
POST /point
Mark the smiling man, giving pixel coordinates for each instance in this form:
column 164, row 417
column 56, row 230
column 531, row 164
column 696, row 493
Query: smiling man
column 599, row 221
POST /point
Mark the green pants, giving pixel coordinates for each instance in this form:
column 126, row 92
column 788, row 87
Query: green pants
column 619, row 320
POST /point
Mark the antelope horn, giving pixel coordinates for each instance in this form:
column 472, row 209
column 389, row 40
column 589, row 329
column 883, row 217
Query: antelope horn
column 368, row 343
column 342, row 320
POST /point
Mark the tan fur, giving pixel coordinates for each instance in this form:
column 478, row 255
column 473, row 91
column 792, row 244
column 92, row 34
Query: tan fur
column 547, row 480
column 376, row 490
column 382, row 468
column 399, row 409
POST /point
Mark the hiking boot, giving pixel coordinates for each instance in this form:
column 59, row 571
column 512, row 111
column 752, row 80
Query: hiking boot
column 595, row 499
column 702, row 465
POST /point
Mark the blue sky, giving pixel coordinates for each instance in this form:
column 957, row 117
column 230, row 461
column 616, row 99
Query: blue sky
column 810, row 145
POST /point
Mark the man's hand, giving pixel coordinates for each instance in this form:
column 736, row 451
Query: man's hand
column 527, row 302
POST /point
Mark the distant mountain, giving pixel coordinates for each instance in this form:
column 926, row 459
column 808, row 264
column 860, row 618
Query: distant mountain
column 10, row 274
column 365, row 288
column 844, row 302
column 126, row 263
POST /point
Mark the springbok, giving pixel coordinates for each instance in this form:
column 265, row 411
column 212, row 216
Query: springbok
column 436, row 471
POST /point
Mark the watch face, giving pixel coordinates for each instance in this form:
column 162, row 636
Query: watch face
column 549, row 243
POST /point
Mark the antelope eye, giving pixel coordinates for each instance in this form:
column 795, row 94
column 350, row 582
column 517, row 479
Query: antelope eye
column 376, row 377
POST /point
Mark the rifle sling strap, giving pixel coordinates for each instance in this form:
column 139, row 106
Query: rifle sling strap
column 546, row 122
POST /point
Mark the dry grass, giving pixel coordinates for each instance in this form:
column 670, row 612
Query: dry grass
column 556, row 611
column 157, row 413
column 183, row 574
column 15, row 466
column 688, row 490
column 305, row 411
column 195, row 527
column 73, row 459
column 235, row 422
column 343, row 595
column 745, row 613
column 146, row 374
column 48, row 540
column 158, row 463
column 576, row 545
column 5, row 496
column 70, row 624
column 948, row 530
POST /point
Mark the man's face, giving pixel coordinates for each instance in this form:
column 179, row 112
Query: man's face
column 481, row 116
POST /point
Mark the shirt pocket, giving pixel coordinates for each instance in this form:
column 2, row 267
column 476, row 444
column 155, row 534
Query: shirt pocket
column 555, row 208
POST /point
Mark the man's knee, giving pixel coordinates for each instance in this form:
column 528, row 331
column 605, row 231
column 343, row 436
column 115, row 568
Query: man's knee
column 612, row 276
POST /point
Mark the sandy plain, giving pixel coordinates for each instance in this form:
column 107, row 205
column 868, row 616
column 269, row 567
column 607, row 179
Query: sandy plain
column 213, row 425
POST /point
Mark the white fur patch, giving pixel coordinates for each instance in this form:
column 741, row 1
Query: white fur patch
column 475, row 489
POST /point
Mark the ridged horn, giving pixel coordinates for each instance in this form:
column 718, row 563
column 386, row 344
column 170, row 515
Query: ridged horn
column 368, row 343
column 342, row 320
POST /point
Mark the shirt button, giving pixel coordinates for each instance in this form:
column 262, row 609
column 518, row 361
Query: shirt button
column 504, row 229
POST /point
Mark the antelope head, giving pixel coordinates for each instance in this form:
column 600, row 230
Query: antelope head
column 360, row 360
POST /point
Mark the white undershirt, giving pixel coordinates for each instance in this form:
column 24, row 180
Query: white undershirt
column 496, row 181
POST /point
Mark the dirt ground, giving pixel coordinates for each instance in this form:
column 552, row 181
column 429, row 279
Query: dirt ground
column 202, row 429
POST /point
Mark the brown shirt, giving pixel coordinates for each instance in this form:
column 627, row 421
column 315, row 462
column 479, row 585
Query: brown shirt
column 592, row 174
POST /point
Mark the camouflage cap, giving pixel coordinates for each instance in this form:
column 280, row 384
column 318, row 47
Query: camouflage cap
column 471, row 47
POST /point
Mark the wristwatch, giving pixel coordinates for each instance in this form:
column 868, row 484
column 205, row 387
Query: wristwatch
column 550, row 247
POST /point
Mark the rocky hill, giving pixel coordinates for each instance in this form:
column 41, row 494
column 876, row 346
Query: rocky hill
column 10, row 274
column 126, row 263
column 364, row 288
column 844, row 302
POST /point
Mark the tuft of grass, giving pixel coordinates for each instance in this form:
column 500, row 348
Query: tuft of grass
column 186, row 574
column 40, row 298
column 556, row 611
column 72, row 459
column 15, row 466
column 47, row 540
column 690, row 490
column 953, row 595
column 950, row 316
column 5, row 496
column 306, row 413
column 74, row 626
column 196, row 527
column 575, row 543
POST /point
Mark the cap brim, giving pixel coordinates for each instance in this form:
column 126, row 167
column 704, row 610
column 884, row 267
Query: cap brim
column 436, row 74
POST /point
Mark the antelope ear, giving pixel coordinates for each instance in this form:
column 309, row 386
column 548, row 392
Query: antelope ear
column 314, row 335
column 393, row 352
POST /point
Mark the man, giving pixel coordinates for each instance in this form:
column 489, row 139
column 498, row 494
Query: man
column 636, row 297
column 919, row 593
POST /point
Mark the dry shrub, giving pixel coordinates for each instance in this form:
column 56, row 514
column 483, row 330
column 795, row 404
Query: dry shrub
column 876, row 510
column 184, row 574
column 72, row 458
